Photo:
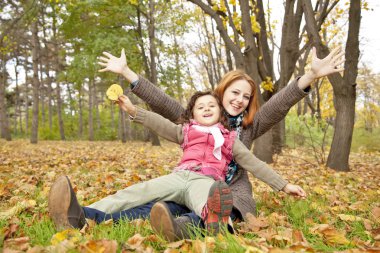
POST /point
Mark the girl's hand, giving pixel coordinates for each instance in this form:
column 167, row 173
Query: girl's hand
column 294, row 190
column 328, row 65
column 126, row 105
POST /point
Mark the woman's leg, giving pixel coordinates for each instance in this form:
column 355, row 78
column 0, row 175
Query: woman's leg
column 142, row 212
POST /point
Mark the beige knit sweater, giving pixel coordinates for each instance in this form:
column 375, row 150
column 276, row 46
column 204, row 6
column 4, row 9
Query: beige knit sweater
column 272, row 112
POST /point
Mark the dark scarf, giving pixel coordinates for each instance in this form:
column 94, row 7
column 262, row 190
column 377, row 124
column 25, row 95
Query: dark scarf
column 235, row 123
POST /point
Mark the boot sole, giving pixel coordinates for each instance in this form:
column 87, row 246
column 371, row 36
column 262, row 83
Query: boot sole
column 59, row 203
column 162, row 222
column 219, row 205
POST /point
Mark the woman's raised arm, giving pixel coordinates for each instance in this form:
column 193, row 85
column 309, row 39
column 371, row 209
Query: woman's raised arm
column 276, row 108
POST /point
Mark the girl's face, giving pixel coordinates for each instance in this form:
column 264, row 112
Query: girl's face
column 236, row 97
column 206, row 110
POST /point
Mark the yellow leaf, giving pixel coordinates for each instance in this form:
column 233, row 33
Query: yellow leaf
column 114, row 92
column 319, row 190
column 333, row 237
column 71, row 235
column 347, row 217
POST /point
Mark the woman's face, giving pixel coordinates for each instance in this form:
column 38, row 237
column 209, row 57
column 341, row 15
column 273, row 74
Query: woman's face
column 236, row 97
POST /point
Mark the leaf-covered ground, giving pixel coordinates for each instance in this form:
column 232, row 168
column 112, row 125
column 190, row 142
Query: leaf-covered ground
column 340, row 214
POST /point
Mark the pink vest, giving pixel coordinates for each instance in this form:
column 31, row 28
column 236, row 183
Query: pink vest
column 198, row 152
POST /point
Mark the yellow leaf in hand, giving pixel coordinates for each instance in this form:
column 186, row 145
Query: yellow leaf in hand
column 114, row 92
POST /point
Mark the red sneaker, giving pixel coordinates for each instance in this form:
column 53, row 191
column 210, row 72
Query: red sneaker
column 219, row 206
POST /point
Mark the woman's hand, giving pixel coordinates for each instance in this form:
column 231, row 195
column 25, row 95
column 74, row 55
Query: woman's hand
column 294, row 190
column 322, row 67
column 328, row 65
column 117, row 65
column 126, row 105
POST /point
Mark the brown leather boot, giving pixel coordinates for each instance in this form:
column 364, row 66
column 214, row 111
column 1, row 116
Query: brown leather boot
column 163, row 222
column 64, row 208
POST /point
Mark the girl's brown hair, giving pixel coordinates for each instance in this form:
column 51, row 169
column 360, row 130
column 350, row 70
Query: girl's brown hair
column 188, row 114
column 226, row 82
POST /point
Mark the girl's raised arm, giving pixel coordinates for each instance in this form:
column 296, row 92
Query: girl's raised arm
column 158, row 100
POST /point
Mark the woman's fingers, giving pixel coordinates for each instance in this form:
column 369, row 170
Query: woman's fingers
column 102, row 64
column 108, row 54
column 338, row 56
column 103, row 59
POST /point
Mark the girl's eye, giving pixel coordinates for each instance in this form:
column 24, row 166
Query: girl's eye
column 246, row 97
column 235, row 92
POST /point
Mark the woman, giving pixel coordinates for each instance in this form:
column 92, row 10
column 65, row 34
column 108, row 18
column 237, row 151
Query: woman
column 244, row 115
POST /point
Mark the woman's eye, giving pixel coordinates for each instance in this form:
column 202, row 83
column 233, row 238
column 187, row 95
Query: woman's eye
column 235, row 92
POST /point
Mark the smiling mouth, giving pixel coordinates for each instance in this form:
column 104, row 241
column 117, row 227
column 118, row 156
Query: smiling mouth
column 207, row 116
column 236, row 107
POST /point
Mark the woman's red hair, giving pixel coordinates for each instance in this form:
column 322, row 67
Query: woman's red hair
column 226, row 82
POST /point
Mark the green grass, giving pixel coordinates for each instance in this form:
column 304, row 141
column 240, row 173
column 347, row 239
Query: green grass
column 366, row 141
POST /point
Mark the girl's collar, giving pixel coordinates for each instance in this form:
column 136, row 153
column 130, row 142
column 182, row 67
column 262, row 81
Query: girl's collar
column 218, row 125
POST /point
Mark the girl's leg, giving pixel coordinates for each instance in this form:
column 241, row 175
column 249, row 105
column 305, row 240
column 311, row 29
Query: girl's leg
column 211, row 200
column 167, row 187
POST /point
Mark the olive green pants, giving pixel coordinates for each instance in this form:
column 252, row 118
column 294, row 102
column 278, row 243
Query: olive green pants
column 183, row 187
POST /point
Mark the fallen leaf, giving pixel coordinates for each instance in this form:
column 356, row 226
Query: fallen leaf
column 71, row 235
column 99, row 246
column 21, row 243
column 18, row 208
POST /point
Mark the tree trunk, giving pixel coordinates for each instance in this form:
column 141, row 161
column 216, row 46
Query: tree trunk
column 123, row 132
column 26, row 97
column 80, row 104
column 18, row 102
column 4, row 124
column 50, row 106
column 97, row 114
column 289, row 54
column 36, row 84
column 90, row 109
column 345, row 95
column 344, row 88
column 153, row 55
column 58, row 89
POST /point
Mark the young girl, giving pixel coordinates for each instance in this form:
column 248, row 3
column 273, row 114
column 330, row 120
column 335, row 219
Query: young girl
column 208, row 148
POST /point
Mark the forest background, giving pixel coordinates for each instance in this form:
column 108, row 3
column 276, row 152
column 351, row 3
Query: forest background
column 51, row 89
column 54, row 114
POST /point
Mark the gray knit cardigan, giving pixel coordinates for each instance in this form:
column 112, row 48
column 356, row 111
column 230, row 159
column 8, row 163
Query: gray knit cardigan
column 272, row 112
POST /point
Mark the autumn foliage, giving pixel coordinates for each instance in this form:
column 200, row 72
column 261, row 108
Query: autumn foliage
column 341, row 212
